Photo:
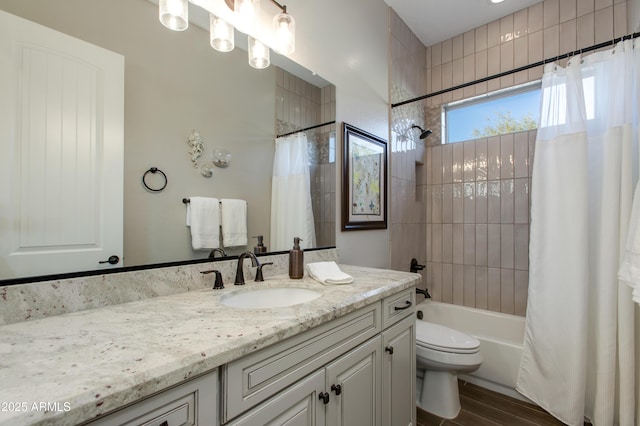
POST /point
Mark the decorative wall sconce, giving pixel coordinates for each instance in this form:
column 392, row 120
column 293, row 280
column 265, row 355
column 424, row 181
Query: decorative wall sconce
column 196, row 147
column 246, row 17
column 221, row 157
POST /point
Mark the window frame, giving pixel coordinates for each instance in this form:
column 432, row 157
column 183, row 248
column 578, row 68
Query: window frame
column 485, row 97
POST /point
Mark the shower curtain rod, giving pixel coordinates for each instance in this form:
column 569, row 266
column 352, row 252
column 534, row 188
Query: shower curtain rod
column 523, row 68
column 307, row 128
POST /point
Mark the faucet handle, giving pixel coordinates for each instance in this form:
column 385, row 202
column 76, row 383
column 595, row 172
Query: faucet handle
column 415, row 267
column 259, row 276
column 218, row 283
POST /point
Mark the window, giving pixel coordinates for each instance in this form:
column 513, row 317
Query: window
column 505, row 111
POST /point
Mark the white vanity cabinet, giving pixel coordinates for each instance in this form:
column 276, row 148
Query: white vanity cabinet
column 399, row 374
column 354, row 383
column 336, row 374
column 191, row 403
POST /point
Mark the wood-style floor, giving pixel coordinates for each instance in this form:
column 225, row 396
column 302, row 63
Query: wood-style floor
column 482, row 407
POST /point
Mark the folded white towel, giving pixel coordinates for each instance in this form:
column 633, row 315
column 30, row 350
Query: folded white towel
column 630, row 268
column 203, row 217
column 328, row 273
column 234, row 222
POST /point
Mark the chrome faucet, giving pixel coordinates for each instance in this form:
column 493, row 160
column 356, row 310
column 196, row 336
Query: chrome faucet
column 239, row 271
column 217, row 250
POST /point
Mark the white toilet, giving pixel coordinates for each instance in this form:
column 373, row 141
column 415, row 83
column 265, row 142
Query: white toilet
column 441, row 354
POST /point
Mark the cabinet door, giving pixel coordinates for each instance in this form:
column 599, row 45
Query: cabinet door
column 399, row 374
column 354, row 382
column 300, row 405
column 192, row 403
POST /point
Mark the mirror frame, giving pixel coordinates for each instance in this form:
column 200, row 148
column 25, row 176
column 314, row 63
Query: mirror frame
column 124, row 269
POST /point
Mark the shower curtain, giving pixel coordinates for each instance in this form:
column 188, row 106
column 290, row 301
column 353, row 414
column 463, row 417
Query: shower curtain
column 291, row 210
column 578, row 357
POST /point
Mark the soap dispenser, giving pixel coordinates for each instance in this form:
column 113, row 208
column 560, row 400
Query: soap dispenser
column 296, row 260
column 260, row 248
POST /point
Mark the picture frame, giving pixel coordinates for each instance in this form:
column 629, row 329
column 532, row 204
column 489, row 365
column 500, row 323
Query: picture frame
column 364, row 180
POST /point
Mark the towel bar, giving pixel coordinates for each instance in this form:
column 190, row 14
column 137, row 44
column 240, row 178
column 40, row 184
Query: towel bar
column 187, row 201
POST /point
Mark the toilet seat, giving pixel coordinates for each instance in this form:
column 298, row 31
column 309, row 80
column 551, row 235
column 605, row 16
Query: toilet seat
column 440, row 338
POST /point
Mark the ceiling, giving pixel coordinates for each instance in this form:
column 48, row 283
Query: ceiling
column 433, row 21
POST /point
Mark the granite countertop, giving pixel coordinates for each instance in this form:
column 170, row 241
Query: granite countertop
column 87, row 363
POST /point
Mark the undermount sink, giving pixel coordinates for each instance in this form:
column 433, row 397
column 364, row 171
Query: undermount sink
column 269, row 298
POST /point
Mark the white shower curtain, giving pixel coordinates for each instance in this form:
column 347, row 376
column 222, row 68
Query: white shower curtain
column 291, row 210
column 578, row 357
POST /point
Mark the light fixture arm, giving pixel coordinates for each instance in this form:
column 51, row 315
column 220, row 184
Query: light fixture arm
column 283, row 8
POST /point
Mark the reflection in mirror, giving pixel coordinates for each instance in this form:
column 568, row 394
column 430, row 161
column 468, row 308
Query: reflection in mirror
column 175, row 83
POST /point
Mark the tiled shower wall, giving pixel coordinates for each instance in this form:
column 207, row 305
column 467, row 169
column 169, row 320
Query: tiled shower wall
column 476, row 257
column 478, row 222
column 300, row 104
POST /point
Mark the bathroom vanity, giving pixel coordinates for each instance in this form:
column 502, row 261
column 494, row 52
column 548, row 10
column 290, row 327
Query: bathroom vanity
column 345, row 357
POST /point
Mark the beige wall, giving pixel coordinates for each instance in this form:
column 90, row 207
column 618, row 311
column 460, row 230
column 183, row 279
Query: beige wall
column 346, row 43
column 174, row 82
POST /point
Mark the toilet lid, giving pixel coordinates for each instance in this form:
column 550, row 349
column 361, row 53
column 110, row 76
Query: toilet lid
column 439, row 337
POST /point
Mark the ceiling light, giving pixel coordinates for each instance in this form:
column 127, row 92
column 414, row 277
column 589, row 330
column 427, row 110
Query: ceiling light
column 496, row 1
column 174, row 14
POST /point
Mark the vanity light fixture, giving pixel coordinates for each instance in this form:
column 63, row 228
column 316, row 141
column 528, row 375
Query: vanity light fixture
column 258, row 54
column 174, row 14
column 247, row 13
column 284, row 28
column 222, row 35
column 244, row 15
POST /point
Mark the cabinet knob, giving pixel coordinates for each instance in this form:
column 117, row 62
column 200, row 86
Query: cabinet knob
column 165, row 423
column 389, row 349
column 324, row 397
column 337, row 389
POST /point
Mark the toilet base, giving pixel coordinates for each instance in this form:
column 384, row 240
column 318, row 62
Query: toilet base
column 439, row 394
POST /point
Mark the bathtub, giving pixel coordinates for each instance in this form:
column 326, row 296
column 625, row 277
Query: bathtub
column 500, row 336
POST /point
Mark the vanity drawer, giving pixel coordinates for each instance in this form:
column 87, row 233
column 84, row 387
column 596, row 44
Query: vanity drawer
column 398, row 306
column 257, row 376
column 190, row 404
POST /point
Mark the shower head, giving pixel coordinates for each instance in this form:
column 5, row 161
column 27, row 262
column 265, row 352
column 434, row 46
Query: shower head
column 423, row 133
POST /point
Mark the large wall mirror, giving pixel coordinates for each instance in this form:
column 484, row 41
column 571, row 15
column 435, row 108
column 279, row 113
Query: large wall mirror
column 174, row 83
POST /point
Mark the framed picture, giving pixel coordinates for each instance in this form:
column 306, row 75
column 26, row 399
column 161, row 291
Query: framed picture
column 364, row 180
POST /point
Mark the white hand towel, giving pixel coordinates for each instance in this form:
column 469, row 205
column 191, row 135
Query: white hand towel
column 630, row 268
column 328, row 273
column 234, row 222
column 203, row 217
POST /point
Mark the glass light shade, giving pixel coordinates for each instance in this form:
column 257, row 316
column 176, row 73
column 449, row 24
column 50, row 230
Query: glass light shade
column 247, row 14
column 221, row 34
column 174, row 14
column 258, row 54
column 284, row 29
